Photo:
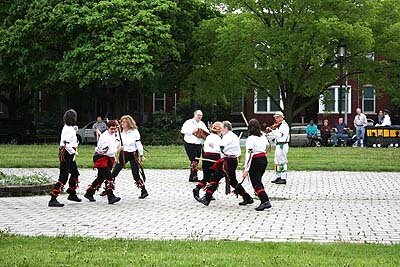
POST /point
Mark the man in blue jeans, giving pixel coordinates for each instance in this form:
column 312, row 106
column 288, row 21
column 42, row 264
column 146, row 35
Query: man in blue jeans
column 340, row 132
column 360, row 122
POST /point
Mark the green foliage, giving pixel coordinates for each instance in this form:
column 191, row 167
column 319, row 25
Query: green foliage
column 34, row 179
column 167, row 121
column 80, row 251
column 288, row 46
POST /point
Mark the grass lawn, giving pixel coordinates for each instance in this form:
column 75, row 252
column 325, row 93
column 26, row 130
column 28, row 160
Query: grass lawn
column 174, row 157
column 76, row 251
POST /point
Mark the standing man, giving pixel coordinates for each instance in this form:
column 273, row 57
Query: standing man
column 99, row 127
column 194, row 129
column 280, row 131
column 360, row 122
column 230, row 149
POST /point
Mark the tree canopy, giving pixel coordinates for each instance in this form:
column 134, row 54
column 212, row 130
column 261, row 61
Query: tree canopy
column 290, row 47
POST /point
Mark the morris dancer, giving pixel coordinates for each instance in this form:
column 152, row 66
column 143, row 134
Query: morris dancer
column 280, row 131
column 193, row 143
column 66, row 156
column 230, row 148
column 132, row 153
column 103, row 160
column 212, row 151
column 256, row 161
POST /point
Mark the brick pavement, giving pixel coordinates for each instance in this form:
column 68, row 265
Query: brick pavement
column 313, row 206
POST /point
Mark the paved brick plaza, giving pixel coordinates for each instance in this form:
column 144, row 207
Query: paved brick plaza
column 313, row 206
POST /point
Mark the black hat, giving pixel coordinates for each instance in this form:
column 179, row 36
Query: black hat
column 386, row 111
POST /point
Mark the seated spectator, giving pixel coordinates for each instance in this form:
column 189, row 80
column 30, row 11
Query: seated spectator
column 312, row 132
column 340, row 132
column 325, row 133
column 386, row 119
column 379, row 118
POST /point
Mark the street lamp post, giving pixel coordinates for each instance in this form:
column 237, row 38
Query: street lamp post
column 341, row 56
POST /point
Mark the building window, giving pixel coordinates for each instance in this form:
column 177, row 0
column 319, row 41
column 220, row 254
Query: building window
column 158, row 102
column 2, row 108
column 263, row 103
column 368, row 99
column 329, row 103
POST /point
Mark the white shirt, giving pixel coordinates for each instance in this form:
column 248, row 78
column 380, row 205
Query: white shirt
column 188, row 128
column 231, row 144
column 258, row 144
column 131, row 141
column 281, row 133
column 360, row 120
column 212, row 143
column 69, row 139
column 107, row 144
column 386, row 121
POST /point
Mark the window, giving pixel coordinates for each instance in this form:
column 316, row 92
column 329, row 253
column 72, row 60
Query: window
column 158, row 102
column 329, row 103
column 2, row 108
column 368, row 104
column 263, row 103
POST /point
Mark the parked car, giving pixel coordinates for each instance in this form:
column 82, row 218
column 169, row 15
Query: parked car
column 86, row 134
column 243, row 133
column 298, row 136
column 17, row 131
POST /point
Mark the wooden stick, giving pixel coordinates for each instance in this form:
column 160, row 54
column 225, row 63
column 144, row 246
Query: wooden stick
column 203, row 159
column 244, row 118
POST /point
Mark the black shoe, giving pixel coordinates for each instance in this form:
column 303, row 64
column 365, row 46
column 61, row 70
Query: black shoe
column 195, row 178
column 246, row 202
column 113, row 199
column 263, row 206
column 196, row 192
column 89, row 196
column 55, row 203
column 144, row 194
column 281, row 181
column 212, row 198
column 276, row 180
column 203, row 200
column 74, row 198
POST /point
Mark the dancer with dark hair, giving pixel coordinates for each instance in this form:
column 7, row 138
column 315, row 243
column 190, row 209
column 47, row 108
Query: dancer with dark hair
column 256, row 161
column 103, row 160
column 67, row 154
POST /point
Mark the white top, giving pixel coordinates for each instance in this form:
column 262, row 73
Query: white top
column 188, row 128
column 107, row 144
column 386, row 121
column 231, row 144
column 281, row 133
column 360, row 120
column 131, row 141
column 69, row 139
column 258, row 144
column 212, row 143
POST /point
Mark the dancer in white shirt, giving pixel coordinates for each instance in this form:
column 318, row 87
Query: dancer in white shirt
column 230, row 149
column 280, row 132
column 103, row 160
column 194, row 130
column 256, row 161
column 132, row 153
column 67, row 154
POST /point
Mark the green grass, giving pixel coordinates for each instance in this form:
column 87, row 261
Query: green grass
column 174, row 157
column 76, row 251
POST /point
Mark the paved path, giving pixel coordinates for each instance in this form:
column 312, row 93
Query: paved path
column 313, row 206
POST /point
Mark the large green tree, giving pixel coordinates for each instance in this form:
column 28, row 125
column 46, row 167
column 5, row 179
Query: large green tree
column 287, row 47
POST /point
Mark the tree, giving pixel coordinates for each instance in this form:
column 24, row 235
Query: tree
column 285, row 47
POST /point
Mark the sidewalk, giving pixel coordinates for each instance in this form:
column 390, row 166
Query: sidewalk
column 313, row 206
